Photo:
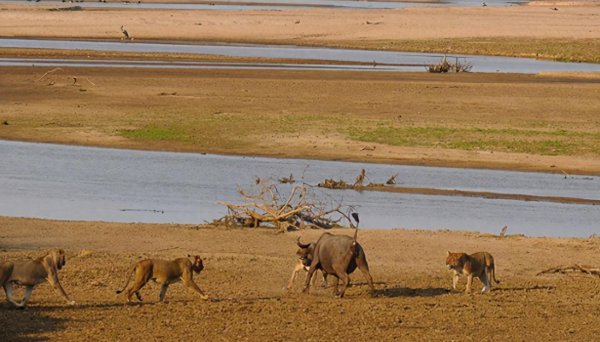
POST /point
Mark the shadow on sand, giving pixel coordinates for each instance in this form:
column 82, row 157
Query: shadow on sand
column 408, row 292
column 27, row 324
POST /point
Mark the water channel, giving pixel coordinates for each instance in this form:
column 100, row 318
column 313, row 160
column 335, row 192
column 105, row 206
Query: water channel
column 379, row 60
column 100, row 184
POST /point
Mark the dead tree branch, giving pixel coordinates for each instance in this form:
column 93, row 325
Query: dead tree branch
column 592, row 271
column 268, row 208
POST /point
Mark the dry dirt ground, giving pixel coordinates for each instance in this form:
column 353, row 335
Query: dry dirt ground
column 305, row 26
column 314, row 114
column 246, row 271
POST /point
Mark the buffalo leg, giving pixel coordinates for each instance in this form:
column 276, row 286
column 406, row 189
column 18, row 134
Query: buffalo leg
column 336, row 286
column 340, row 272
column 367, row 274
column 361, row 263
column 345, row 281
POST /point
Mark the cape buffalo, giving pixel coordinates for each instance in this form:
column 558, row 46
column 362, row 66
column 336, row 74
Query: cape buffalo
column 338, row 255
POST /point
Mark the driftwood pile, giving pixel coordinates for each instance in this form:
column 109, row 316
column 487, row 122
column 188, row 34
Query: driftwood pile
column 359, row 183
column 268, row 207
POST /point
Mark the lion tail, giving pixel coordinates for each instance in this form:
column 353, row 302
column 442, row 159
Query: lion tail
column 128, row 279
column 494, row 274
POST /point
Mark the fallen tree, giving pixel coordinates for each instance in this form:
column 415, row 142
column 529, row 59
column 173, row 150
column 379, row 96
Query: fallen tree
column 299, row 209
column 593, row 271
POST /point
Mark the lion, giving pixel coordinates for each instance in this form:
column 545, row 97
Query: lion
column 32, row 273
column 305, row 256
column 165, row 273
column 6, row 269
column 480, row 265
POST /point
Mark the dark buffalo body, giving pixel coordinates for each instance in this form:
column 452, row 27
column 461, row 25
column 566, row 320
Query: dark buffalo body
column 338, row 255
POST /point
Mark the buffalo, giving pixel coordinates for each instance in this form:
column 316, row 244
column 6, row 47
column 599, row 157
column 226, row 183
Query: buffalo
column 338, row 255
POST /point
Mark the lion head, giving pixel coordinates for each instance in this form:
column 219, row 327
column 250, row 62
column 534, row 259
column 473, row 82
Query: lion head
column 58, row 257
column 198, row 264
column 456, row 261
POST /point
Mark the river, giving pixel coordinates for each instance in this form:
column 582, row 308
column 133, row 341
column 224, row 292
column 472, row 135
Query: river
column 378, row 60
column 102, row 184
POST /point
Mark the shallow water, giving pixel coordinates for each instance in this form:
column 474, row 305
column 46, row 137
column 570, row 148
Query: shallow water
column 56, row 62
column 82, row 183
column 402, row 60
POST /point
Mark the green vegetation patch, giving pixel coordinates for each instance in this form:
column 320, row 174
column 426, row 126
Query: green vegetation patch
column 557, row 49
column 154, row 134
column 557, row 142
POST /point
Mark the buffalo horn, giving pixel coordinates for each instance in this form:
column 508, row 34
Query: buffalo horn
column 301, row 245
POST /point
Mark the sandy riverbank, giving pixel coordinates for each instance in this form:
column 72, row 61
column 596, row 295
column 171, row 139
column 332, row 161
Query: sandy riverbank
column 246, row 271
column 463, row 120
column 569, row 33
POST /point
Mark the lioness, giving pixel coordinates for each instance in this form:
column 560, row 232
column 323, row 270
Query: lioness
column 305, row 256
column 33, row 272
column 6, row 269
column 480, row 265
column 165, row 273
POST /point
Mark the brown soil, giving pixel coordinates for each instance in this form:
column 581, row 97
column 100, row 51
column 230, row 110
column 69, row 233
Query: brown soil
column 247, row 270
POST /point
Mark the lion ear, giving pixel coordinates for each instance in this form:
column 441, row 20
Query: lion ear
column 448, row 253
column 189, row 255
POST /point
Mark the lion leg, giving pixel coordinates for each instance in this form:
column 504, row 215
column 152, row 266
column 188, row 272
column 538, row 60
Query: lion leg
column 469, row 283
column 163, row 292
column 324, row 283
column 314, row 280
column 135, row 288
column 192, row 285
column 454, row 280
column 486, row 282
column 297, row 269
column 9, row 295
column 53, row 280
column 28, row 291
